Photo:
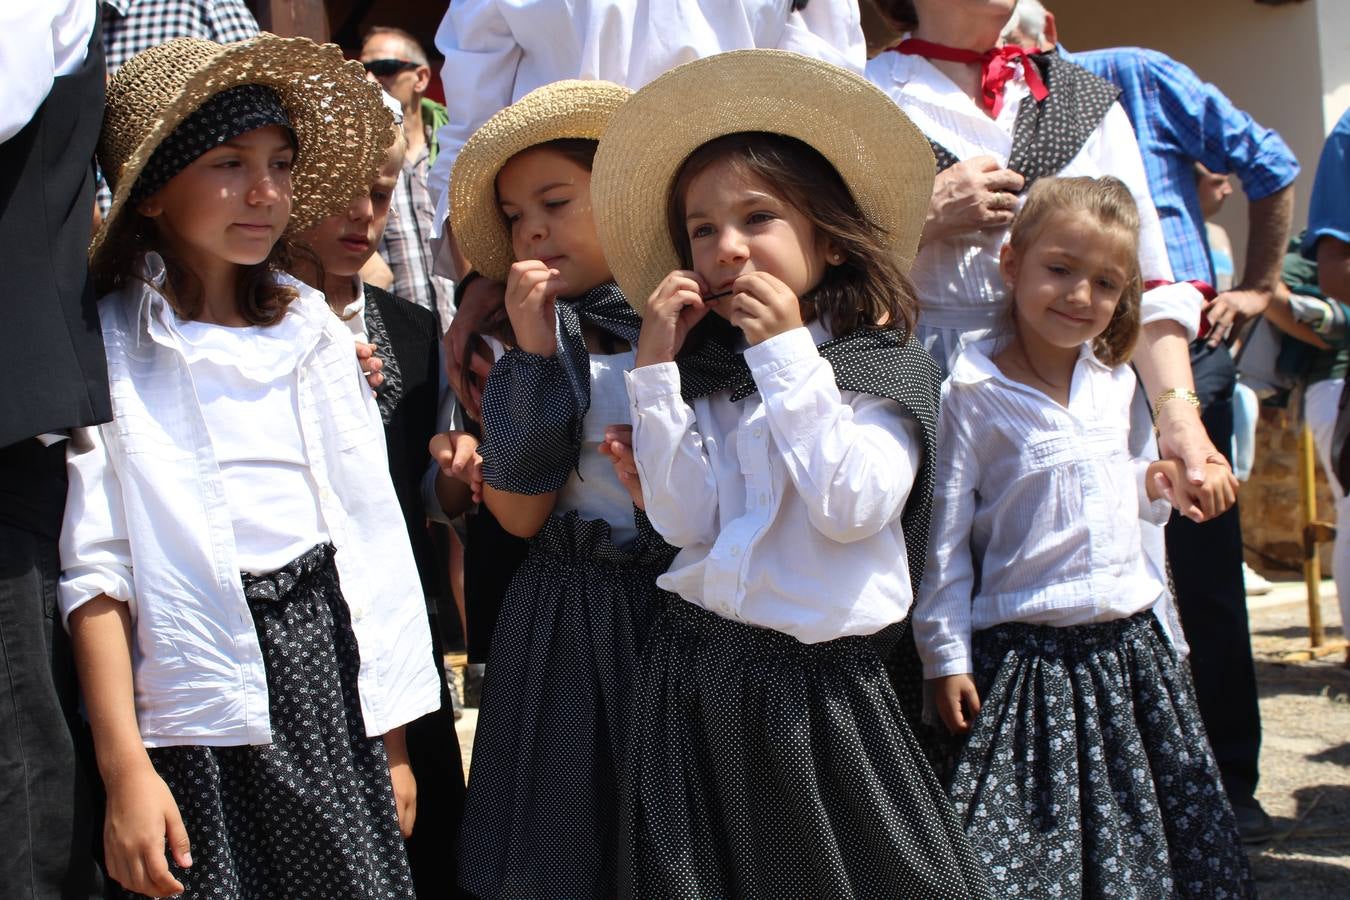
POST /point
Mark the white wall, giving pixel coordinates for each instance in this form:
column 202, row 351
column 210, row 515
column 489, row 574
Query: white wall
column 1269, row 60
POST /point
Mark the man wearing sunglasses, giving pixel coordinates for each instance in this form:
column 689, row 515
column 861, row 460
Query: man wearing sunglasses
column 397, row 61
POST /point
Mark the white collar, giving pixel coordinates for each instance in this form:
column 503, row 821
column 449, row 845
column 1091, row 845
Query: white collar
column 975, row 363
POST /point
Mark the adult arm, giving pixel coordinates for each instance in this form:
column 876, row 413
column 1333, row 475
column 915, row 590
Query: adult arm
column 39, row 40
column 479, row 74
column 830, row 30
column 1268, row 222
column 852, row 464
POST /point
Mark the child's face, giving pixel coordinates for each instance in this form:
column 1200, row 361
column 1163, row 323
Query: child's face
column 231, row 204
column 1067, row 282
column 737, row 224
column 345, row 241
column 546, row 199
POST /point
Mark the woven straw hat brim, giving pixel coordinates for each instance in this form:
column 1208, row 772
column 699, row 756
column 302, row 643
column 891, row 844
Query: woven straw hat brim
column 563, row 109
column 342, row 129
column 884, row 159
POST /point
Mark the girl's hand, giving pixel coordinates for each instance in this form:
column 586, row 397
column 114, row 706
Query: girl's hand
column 141, row 817
column 531, row 290
column 957, row 702
column 674, row 308
column 1215, row 494
column 763, row 307
column 370, row 363
column 401, row 775
column 618, row 446
column 456, row 453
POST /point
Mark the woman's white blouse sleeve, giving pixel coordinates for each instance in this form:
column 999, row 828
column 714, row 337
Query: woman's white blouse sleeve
column 1175, row 302
column 852, row 464
column 479, row 73
column 95, row 549
column 830, row 30
column 679, row 488
column 942, row 615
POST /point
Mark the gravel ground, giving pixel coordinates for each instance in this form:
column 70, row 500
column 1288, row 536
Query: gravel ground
column 1305, row 753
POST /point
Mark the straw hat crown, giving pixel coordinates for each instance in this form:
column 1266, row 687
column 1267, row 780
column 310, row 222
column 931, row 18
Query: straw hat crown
column 883, row 158
column 571, row 108
column 341, row 127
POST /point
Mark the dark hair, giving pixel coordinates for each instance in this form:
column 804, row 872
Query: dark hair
column 580, row 151
column 260, row 299
column 869, row 289
column 1110, row 203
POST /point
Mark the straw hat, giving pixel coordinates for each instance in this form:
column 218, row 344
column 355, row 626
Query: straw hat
column 884, row 159
column 563, row 109
column 341, row 127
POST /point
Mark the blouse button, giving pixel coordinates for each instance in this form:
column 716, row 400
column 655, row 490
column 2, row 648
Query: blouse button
column 735, row 551
column 759, row 431
column 763, row 499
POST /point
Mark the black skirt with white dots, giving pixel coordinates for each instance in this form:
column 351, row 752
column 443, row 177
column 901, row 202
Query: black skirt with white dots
column 1087, row 772
column 762, row 767
column 311, row 814
column 541, row 811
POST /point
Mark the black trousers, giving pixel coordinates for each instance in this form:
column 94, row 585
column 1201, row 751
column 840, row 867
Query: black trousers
column 46, row 807
column 1206, row 563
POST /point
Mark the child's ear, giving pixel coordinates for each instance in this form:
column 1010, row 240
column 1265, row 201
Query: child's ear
column 1007, row 264
column 834, row 254
column 149, row 207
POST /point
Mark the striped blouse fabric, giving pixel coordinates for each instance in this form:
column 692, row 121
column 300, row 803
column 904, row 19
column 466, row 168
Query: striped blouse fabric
column 1036, row 515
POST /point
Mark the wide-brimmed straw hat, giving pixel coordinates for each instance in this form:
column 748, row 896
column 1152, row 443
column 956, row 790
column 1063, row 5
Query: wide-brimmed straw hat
column 885, row 160
column 563, row 109
column 341, row 127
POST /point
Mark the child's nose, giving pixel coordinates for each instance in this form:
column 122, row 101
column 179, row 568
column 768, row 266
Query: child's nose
column 361, row 209
column 730, row 245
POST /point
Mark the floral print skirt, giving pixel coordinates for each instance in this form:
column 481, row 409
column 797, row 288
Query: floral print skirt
column 1087, row 772
column 311, row 814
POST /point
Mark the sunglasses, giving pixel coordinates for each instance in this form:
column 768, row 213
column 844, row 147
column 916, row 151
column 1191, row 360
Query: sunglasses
column 383, row 68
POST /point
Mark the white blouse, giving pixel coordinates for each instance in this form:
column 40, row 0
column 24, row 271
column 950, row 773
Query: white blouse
column 594, row 490
column 245, row 379
column 497, row 51
column 1036, row 514
column 786, row 505
column 958, row 280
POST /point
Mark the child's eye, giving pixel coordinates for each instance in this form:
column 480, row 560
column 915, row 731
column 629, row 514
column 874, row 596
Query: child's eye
column 1106, row 284
column 700, row 231
column 379, row 196
column 1058, row 269
column 511, row 218
column 554, row 204
column 283, row 165
column 759, row 218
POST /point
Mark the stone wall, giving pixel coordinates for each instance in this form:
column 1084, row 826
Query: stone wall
column 1269, row 501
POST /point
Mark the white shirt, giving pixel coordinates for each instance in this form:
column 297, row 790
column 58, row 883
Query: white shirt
column 786, row 505
column 958, row 280
column 1036, row 514
column 147, row 522
column 246, row 383
column 497, row 51
column 40, row 40
column 594, row 491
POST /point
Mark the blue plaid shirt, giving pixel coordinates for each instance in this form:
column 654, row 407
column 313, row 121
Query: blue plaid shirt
column 1180, row 119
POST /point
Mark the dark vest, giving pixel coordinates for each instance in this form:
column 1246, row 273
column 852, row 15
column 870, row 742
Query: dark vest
column 48, row 314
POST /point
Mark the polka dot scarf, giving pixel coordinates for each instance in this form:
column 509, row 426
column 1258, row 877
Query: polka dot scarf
column 1047, row 135
column 226, row 115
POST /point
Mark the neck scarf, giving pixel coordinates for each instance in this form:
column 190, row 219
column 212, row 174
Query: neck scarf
column 880, row 362
column 997, row 67
column 1049, row 133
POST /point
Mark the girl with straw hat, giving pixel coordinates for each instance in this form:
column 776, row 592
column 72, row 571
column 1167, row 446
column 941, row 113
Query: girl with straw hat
column 785, row 442
column 248, row 658
column 540, row 816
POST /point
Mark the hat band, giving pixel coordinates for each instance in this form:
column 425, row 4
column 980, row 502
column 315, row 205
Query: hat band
column 226, row 115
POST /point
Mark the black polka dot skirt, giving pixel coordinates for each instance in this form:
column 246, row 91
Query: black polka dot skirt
column 762, row 767
column 1087, row 771
column 541, row 811
column 312, row 814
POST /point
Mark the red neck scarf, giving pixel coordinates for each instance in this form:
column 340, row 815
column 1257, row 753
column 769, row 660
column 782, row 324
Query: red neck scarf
column 996, row 68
